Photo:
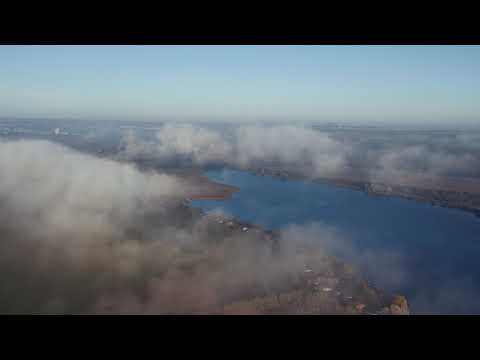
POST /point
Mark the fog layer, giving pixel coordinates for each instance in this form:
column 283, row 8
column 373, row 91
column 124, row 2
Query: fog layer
column 313, row 153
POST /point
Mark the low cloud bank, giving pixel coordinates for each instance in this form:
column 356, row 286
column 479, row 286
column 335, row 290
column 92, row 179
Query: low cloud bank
column 61, row 188
column 70, row 223
column 314, row 152
column 310, row 152
column 87, row 235
column 418, row 160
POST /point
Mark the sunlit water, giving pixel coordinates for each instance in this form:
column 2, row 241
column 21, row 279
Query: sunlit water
column 430, row 254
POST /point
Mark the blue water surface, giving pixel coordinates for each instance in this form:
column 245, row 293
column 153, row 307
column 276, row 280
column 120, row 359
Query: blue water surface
column 430, row 254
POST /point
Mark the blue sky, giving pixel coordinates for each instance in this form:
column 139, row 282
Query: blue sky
column 353, row 84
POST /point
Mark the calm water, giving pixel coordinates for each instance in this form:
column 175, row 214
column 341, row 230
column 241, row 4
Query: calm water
column 430, row 254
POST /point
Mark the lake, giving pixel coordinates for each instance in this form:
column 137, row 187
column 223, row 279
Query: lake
column 429, row 254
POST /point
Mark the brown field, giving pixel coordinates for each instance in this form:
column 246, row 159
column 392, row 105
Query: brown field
column 205, row 189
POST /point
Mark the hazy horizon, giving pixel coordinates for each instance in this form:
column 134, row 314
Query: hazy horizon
column 436, row 86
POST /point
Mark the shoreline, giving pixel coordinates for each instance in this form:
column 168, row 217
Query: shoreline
column 336, row 286
column 452, row 197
